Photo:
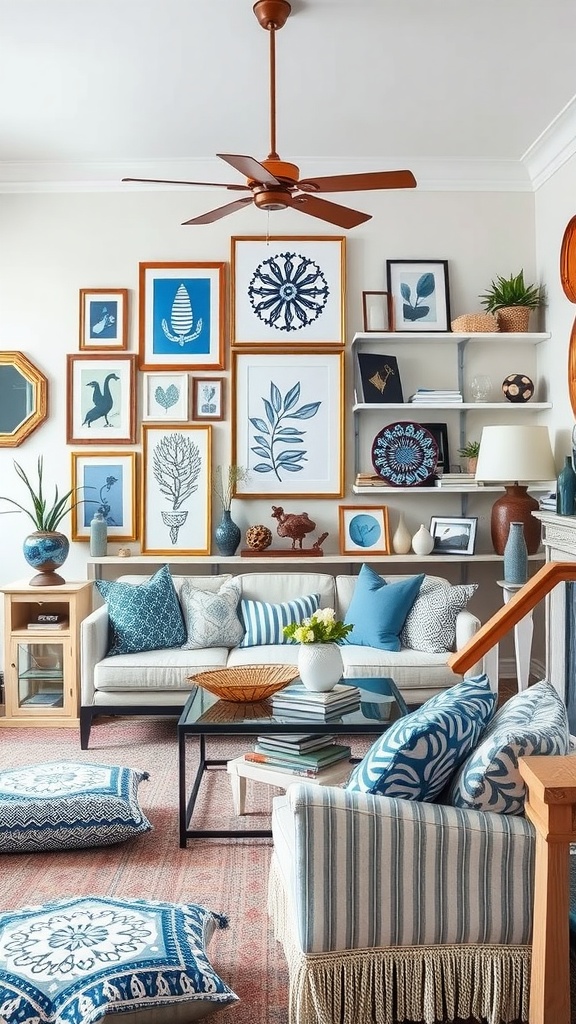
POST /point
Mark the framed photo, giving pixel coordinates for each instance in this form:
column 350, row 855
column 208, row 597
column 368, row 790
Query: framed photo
column 176, row 489
column 104, row 318
column 207, row 398
column 100, row 399
column 107, row 483
column 181, row 316
column 364, row 528
column 453, row 535
column 287, row 423
column 288, row 290
column 440, row 433
column 377, row 312
column 379, row 378
column 165, row 396
column 420, row 294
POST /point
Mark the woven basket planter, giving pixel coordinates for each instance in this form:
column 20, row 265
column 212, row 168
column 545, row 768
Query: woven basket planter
column 475, row 323
column 514, row 318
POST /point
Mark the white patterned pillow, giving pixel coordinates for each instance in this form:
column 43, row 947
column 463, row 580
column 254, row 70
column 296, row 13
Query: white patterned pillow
column 65, row 805
column 90, row 958
column 264, row 623
column 415, row 758
column 430, row 625
column 533, row 721
column 211, row 619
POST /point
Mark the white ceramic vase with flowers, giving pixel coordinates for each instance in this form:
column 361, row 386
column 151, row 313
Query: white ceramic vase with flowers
column 319, row 659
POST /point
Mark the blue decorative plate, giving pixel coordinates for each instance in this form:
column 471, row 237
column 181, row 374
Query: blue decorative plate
column 404, row 454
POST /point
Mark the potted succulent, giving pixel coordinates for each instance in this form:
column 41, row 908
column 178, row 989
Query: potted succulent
column 512, row 300
column 470, row 452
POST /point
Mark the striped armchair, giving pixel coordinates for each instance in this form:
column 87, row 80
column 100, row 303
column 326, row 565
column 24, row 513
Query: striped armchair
column 392, row 910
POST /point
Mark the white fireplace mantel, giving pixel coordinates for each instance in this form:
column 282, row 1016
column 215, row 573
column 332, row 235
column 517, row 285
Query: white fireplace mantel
column 559, row 539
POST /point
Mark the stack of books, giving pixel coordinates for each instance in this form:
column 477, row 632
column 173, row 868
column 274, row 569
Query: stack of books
column 48, row 621
column 302, row 754
column 427, row 396
column 296, row 701
column 548, row 502
column 456, row 480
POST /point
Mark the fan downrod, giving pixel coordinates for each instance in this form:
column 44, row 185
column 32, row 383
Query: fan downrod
column 273, row 13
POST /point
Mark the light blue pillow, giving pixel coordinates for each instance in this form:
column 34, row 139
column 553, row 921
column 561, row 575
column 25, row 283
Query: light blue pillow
column 378, row 609
column 68, row 805
column 89, row 958
column 263, row 623
column 533, row 721
column 143, row 617
column 415, row 758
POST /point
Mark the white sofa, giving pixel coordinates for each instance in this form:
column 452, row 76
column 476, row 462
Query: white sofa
column 157, row 682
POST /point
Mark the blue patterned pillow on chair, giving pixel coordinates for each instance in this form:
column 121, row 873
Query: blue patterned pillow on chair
column 90, row 957
column 143, row 616
column 533, row 721
column 415, row 758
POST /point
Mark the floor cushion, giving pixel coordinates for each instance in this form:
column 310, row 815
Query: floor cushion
column 65, row 805
column 88, row 958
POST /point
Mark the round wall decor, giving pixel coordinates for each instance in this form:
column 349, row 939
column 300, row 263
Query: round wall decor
column 517, row 387
column 404, row 454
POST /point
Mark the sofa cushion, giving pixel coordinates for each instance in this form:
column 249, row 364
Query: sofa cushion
column 92, row 958
column 431, row 622
column 416, row 756
column 64, row 805
column 211, row 619
column 378, row 609
column 264, row 623
column 145, row 617
column 533, row 721
column 147, row 672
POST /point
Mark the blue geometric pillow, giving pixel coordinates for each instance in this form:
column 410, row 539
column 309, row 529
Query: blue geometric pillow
column 264, row 623
column 91, row 957
column 416, row 756
column 143, row 617
column 378, row 609
column 68, row 805
column 533, row 721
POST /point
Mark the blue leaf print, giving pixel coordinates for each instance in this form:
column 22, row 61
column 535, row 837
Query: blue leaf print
column 291, row 397
column 425, row 286
column 275, row 397
column 167, row 398
column 275, row 440
column 259, row 424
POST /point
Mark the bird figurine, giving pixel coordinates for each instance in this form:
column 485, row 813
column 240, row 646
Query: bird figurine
column 102, row 401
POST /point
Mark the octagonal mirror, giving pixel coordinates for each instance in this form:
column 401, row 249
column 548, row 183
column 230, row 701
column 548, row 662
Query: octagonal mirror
column 23, row 398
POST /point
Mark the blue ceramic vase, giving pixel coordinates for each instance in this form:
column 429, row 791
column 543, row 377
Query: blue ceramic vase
column 516, row 555
column 227, row 535
column 566, row 489
column 45, row 552
column 98, row 535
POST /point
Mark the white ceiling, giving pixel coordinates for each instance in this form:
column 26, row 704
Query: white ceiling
column 91, row 91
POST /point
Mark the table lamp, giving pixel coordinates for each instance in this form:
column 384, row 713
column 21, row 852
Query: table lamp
column 515, row 456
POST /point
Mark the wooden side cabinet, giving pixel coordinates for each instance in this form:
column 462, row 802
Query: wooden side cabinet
column 41, row 665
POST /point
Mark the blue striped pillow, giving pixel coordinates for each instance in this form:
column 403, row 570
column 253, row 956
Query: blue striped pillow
column 263, row 622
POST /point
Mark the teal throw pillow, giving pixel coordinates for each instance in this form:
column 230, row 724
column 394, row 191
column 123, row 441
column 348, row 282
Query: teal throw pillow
column 378, row 610
column 143, row 617
column 416, row 757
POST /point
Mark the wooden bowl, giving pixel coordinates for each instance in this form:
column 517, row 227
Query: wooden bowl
column 246, row 683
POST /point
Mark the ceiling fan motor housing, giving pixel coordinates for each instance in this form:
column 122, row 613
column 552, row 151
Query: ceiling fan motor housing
column 272, row 12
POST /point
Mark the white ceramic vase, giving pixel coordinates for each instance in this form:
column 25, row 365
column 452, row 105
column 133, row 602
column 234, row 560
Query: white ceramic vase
column 320, row 666
column 401, row 540
column 422, row 541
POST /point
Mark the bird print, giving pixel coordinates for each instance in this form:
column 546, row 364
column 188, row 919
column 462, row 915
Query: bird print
column 102, row 401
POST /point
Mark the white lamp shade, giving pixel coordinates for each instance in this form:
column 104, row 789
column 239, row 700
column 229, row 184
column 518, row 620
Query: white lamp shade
column 515, row 453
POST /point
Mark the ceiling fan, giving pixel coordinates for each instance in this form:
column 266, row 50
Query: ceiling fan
column 275, row 184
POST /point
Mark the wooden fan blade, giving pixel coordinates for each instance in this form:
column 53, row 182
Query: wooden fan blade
column 359, row 182
column 222, row 211
column 200, row 184
column 250, row 168
column 342, row 216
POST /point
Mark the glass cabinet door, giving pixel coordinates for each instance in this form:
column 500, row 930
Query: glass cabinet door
column 40, row 675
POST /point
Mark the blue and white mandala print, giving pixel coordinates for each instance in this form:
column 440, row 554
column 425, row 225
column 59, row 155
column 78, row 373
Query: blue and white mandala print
column 288, row 291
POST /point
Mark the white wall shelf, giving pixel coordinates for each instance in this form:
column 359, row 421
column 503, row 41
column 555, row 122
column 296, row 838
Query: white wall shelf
column 411, row 407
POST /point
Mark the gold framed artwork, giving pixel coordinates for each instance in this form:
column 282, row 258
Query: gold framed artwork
column 176, row 489
column 364, row 528
column 181, row 316
column 104, row 318
column 107, row 482
column 101, row 399
column 288, row 290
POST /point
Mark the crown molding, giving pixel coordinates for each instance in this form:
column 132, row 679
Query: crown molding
column 553, row 147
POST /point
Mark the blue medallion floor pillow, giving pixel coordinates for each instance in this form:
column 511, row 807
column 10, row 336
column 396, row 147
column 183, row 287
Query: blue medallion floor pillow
column 533, row 721
column 415, row 758
column 143, row 616
column 68, row 805
column 91, row 958
column 378, row 609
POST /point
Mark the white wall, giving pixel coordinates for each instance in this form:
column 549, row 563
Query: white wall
column 55, row 244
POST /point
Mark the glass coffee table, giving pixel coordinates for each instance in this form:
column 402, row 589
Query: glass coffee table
column 204, row 715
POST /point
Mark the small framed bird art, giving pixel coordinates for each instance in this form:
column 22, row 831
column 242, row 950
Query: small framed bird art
column 101, row 399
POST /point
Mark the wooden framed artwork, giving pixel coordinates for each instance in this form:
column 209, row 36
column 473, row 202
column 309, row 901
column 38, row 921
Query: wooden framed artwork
column 104, row 318
column 176, row 489
column 208, row 398
column 420, row 294
column 165, row 396
column 101, row 399
column 181, row 316
column 363, row 528
column 453, row 535
column 377, row 312
column 287, row 423
column 107, row 483
column 288, row 290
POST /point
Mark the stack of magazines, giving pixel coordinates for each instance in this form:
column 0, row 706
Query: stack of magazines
column 295, row 700
column 301, row 754
column 426, row 396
